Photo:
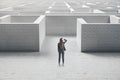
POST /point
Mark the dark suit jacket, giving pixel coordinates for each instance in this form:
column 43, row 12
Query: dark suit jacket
column 61, row 49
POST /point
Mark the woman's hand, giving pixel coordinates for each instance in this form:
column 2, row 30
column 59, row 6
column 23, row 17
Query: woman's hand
column 65, row 40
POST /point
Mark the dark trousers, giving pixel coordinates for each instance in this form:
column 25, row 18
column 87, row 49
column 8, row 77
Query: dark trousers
column 61, row 54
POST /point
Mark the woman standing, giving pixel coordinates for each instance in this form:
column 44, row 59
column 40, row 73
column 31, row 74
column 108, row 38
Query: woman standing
column 61, row 49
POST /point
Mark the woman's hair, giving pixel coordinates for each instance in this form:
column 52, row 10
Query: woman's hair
column 61, row 40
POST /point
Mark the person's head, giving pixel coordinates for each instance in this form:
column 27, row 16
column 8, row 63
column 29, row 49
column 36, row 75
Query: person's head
column 61, row 40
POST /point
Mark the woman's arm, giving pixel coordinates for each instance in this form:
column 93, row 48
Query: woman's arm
column 65, row 40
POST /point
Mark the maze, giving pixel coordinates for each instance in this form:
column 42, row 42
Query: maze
column 96, row 25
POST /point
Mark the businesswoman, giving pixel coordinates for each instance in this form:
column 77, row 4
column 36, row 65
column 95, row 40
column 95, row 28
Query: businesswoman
column 61, row 49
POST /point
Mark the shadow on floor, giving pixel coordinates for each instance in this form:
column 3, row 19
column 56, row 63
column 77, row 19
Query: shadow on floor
column 104, row 54
column 19, row 54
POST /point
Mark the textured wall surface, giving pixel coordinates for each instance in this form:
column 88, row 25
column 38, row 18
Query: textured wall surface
column 100, row 37
column 19, row 37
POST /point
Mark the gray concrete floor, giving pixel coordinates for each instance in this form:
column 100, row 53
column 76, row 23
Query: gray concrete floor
column 44, row 66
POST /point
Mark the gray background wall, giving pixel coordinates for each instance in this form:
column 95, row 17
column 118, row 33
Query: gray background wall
column 60, row 25
column 67, row 25
column 23, row 19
